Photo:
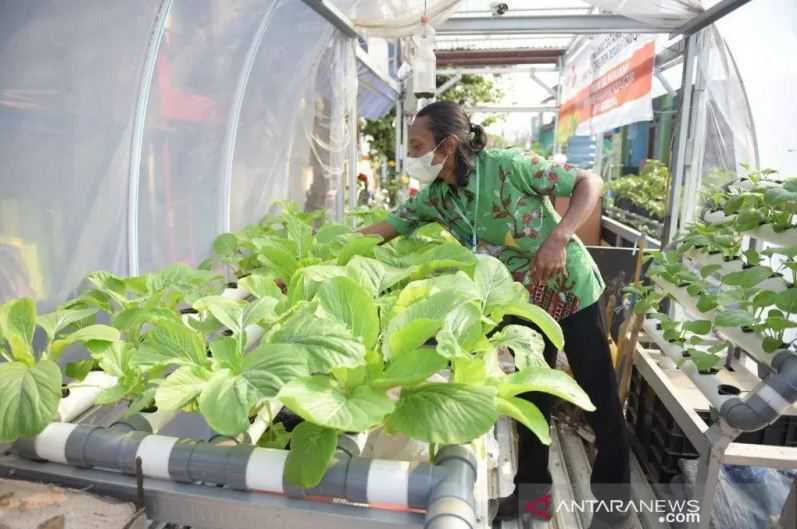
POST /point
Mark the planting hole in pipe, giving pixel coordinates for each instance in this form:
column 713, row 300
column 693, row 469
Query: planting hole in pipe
column 189, row 310
column 64, row 392
column 150, row 409
column 728, row 389
column 232, row 284
column 711, row 371
column 227, row 332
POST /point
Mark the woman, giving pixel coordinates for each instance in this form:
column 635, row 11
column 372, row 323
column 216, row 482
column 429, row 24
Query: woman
column 499, row 202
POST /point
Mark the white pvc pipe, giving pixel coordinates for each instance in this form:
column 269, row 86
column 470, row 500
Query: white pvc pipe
column 83, row 395
column 707, row 384
column 261, row 423
column 158, row 419
column 717, row 217
column 264, row 470
column 235, row 293
column 253, row 335
column 388, row 482
column 50, row 444
column 155, row 451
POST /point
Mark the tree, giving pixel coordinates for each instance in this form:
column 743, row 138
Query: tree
column 471, row 90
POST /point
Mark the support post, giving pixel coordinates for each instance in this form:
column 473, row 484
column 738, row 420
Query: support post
column 708, row 473
column 556, row 148
column 680, row 161
column 137, row 136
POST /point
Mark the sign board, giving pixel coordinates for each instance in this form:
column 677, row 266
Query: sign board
column 607, row 84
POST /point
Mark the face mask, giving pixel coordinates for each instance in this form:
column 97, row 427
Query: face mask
column 421, row 168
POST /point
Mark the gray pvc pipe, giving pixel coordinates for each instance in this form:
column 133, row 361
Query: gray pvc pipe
column 451, row 504
column 445, row 489
column 770, row 399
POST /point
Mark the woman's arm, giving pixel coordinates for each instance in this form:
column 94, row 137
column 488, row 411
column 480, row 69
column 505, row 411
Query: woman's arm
column 551, row 257
column 383, row 229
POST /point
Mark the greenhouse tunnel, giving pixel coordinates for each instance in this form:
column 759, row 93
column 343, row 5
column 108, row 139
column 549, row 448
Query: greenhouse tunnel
column 135, row 136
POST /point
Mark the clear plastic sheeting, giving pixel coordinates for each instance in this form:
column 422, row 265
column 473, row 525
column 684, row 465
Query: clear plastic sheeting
column 285, row 146
column 770, row 75
column 198, row 66
column 67, row 96
column 660, row 13
column 395, row 18
column 251, row 101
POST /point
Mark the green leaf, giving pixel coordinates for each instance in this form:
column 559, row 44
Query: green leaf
column 537, row 315
column 460, row 332
column 765, row 298
column 112, row 395
column 276, row 437
column 321, row 400
column 459, row 284
column 779, row 324
column 412, row 327
column 225, row 403
column 548, row 380
column 411, row 368
column 29, row 395
column 261, row 286
column 282, row 263
column 309, row 279
column 747, row 278
column 494, row 283
column 710, row 269
column 92, row 333
column 706, row 303
column 787, row 300
column 179, row 343
column 472, row 371
column 330, row 232
column 770, row 345
column 733, row 318
column 444, row 413
column 110, row 285
column 447, row 256
column 55, row 322
column 312, row 450
column 228, row 311
column 227, row 351
column 133, row 318
column 698, row 326
column 79, row 369
column 363, row 246
column 225, row 245
column 373, row 275
column 115, row 359
column 269, row 367
column 18, row 325
column 527, row 345
column 142, row 401
column 349, row 303
column 181, row 387
column 526, row 414
column 703, row 361
column 323, row 343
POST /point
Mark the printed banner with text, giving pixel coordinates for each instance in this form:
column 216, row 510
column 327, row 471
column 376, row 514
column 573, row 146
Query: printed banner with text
column 607, row 85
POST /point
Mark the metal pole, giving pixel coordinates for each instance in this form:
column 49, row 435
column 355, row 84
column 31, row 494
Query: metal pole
column 231, row 133
column 556, row 147
column 693, row 176
column 680, row 160
column 708, row 473
column 137, row 136
column 710, row 16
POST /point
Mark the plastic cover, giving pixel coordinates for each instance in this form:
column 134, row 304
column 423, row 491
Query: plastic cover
column 663, row 13
column 395, row 18
column 67, row 102
column 67, row 96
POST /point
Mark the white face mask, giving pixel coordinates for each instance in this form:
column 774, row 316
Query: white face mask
column 421, row 168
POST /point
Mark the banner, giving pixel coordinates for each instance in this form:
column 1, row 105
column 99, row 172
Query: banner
column 607, row 85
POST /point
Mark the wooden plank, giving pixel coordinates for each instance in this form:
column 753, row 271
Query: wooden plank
column 783, row 457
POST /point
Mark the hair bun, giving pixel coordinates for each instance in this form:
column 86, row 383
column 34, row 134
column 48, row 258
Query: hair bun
column 479, row 140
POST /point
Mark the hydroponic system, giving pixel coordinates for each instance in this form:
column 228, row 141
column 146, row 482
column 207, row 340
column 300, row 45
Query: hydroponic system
column 190, row 320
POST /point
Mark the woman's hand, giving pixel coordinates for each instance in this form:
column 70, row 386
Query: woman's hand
column 551, row 258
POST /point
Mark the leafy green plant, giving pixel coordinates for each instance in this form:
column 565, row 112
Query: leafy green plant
column 647, row 192
column 30, row 381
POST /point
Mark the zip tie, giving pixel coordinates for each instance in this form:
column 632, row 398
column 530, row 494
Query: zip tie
column 633, row 251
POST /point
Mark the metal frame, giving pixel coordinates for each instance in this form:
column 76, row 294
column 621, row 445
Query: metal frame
column 714, row 444
column 498, row 109
column 561, row 24
column 710, row 16
column 334, row 16
column 210, row 507
column 137, row 135
column 234, row 118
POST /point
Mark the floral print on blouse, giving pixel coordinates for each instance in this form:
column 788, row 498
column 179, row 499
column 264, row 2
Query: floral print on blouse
column 515, row 215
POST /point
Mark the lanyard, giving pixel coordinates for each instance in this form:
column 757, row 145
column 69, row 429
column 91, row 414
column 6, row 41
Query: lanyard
column 472, row 225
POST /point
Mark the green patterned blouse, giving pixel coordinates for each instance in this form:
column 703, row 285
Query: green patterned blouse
column 507, row 205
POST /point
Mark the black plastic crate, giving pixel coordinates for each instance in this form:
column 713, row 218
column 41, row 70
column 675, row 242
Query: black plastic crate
column 673, row 444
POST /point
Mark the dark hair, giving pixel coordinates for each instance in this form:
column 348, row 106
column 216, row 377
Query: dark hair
column 449, row 119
